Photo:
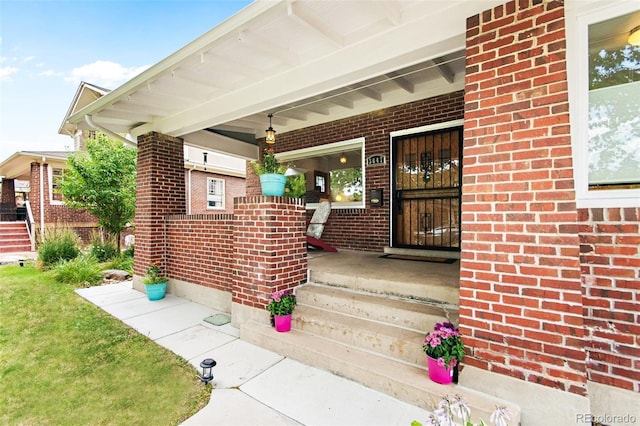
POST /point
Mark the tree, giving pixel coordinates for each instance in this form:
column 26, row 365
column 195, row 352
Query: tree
column 103, row 181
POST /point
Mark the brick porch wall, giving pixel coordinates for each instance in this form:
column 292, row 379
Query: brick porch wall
column 368, row 228
column 520, row 285
column 200, row 249
column 258, row 249
column 610, row 262
column 57, row 215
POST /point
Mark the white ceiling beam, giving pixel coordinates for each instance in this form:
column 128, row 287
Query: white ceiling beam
column 293, row 114
column 341, row 101
column 391, row 10
column 444, row 69
column 297, row 12
column 123, row 115
column 402, row 82
column 253, row 42
column 222, row 144
column 368, row 92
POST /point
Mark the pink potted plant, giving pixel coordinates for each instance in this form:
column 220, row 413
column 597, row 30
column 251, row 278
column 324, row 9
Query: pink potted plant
column 281, row 307
column 445, row 350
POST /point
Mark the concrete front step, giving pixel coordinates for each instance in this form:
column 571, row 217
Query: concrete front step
column 439, row 289
column 387, row 340
column 409, row 383
column 405, row 313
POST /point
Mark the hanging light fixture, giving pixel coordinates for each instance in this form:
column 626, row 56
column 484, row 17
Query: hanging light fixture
column 271, row 134
column 343, row 159
column 634, row 36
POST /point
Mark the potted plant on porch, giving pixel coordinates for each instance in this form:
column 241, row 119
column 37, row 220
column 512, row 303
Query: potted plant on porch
column 445, row 350
column 154, row 282
column 271, row 173
column 281, row 307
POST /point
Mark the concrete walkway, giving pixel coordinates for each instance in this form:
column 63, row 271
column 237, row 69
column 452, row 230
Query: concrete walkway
column 251, row 386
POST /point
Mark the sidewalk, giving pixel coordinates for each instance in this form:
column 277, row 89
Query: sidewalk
column 251, row 386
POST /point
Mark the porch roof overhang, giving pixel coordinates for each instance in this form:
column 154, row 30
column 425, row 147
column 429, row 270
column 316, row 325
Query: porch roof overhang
column 18, row 166
column 306, row 62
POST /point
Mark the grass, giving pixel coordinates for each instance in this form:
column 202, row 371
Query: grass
column 64, row 361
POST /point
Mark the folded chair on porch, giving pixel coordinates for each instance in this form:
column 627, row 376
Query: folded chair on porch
column 316, row 226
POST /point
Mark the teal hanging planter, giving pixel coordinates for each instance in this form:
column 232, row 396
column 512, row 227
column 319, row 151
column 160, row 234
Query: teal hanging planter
column 156, row 291
column 273, row 184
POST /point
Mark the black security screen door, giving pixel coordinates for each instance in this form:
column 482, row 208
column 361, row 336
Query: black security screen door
column 426, row 174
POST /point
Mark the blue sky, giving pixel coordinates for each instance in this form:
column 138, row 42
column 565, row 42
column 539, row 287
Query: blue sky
column 48, row 47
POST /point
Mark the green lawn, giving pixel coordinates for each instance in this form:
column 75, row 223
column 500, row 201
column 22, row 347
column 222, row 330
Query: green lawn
column 63, row 361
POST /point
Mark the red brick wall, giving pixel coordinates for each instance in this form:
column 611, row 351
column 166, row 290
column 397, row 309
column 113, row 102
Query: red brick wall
column 269, row 248
column 610, row 262
column 520, row 289
column 58, row 215
column 234, row 187
column 366, row 229
column 200, row 250
column 160, row 192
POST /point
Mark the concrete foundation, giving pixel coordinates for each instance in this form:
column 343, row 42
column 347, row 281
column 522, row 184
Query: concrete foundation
column 540, row 405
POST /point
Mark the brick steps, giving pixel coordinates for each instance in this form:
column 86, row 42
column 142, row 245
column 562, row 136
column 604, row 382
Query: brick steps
column 14, row 237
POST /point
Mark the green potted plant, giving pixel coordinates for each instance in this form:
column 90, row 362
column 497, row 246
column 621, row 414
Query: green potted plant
column 155, row 282
column 281, row 307
column 445, row 350
column 271, row 173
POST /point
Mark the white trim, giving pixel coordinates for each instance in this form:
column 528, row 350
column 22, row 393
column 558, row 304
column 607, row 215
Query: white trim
column 423, row 129
column 405, row 132
column 331, row 148
column 579, row 15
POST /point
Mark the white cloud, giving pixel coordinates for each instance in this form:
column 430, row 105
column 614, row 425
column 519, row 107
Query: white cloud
column 104, row 73
column 51, row 73
column 6, row 72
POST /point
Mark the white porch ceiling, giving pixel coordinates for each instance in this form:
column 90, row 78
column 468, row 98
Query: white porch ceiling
column 305, row 61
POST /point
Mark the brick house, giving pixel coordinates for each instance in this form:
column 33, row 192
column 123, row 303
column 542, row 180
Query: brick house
column 485, row 131
column 212, row 180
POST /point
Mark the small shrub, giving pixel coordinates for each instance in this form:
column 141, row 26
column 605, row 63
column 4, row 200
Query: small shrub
column 58, row 244
column 128, row 252
column 103, row 248
column 122, row 262
column 83, row 270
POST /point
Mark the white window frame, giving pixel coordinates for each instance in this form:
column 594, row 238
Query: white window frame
column 332, row 148
column 50, row 170
column 579, row 15
column 223, row 185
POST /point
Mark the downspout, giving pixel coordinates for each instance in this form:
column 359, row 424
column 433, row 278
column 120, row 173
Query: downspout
column 89, row 120
column 42, row 196
column 189, row 192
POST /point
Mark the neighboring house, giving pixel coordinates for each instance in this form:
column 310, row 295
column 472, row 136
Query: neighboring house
column 499, row 133
column 211, row 184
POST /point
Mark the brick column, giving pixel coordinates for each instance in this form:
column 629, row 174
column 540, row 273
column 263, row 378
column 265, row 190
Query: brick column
column 520, row 291
column 8, row 200
column 160, row 192
column 269, row 250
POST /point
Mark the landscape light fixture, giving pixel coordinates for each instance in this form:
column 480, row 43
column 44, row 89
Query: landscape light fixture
column 634, row 36
column 207, row 365
column 271, row 134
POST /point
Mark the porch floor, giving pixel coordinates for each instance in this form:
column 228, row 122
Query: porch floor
column 368, row 271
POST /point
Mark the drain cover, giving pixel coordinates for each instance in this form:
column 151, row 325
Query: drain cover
column 218, row 319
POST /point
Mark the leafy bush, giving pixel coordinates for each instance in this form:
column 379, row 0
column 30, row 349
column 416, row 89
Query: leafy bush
column 58, row 244
column 122, row 262
column 128, row 252
column 83, row 270
column 103, row 248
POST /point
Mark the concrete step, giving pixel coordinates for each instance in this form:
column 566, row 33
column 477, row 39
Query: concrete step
column 440, row 288
column 388, row 340
column 409, row 383
column 405, row 313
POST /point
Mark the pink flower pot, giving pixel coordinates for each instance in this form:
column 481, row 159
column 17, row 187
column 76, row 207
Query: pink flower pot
column 439, row 373
column 283, row 322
